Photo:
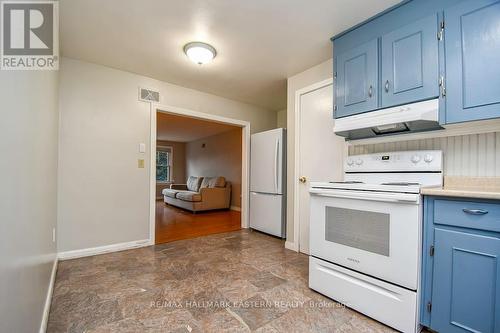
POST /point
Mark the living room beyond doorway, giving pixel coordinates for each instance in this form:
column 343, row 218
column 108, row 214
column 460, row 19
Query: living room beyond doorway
column 198, row 177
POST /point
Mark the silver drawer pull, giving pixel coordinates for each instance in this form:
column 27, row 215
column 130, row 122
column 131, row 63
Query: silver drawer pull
column 475, row 211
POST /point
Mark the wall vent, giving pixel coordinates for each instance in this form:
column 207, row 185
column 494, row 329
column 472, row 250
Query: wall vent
column 148, row 95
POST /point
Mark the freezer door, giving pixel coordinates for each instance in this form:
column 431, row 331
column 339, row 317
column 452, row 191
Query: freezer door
column 266, row 162
column 266, row 213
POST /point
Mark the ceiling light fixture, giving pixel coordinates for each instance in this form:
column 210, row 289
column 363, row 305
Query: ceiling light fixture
column 200, row 53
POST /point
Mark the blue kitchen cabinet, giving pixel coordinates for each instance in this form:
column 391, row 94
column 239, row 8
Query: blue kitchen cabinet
column 424, row 49
column 461, row 269
column 466, row 282
column 472, row 56
column 410, row 63
column 357, row 79
column 407, row 63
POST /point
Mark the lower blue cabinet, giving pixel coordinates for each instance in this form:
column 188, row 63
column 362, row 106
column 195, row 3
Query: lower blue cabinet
column 466, row 282
column 461, row 269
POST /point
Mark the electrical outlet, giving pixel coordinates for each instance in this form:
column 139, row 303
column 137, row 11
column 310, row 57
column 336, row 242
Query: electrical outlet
column 140, row 163
column 53, row 235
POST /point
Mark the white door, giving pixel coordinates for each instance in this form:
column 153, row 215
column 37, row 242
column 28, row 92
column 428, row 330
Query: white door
column 265, row 162
column 321, row 152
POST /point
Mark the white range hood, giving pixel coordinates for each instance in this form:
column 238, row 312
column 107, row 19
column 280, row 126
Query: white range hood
column 415, row 117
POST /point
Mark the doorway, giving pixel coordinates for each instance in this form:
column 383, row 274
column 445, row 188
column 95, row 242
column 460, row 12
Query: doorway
column 319, row 152
column 210, row 148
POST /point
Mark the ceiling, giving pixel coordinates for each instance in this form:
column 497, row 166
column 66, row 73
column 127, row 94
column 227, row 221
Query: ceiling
column 171, row 127
column 259, row 42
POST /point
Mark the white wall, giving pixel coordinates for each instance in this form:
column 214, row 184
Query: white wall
column 221, row 156
column 281, row 119
column 476, row 155
column 315, row 74
column 28, row 169
column 103, row 196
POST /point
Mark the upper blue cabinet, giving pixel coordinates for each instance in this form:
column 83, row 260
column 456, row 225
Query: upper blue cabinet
column 393, row 68
column 357, row 79
column 410, row 63
column 420, row 50
column 472, row 54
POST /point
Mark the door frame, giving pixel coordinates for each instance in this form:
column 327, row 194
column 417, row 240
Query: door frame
column 294, row 244
column 245, row 158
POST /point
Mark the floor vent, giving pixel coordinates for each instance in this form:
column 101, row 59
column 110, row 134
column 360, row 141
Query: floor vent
column 148, row 95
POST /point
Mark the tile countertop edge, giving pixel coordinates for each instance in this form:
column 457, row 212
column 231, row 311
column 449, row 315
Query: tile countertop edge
column 467, row 187
column 465, row 193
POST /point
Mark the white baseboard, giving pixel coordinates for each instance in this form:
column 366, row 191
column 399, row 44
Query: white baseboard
column 103, row 249
column 291, row 246
column 236, row 208
column 48, row 299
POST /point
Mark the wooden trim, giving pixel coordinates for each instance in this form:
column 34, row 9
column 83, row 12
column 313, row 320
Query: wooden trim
column 103, row 249
column 292, row 246
column 48, row 298
column 245, row 160
column 245, row 180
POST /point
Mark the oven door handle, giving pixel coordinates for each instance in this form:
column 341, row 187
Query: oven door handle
column 385, row 197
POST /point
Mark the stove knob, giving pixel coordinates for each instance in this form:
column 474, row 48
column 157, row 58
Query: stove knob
column 428, row 158
column 359, row 161
column 350, row 162
column 415, row 159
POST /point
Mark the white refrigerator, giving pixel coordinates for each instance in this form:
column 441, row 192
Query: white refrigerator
column 268, row 182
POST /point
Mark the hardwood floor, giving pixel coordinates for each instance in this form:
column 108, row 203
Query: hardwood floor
column 175, row 224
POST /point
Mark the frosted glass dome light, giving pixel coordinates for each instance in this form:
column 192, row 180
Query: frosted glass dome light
column 200, row 53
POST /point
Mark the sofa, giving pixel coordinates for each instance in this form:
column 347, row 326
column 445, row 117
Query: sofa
column 199, row 194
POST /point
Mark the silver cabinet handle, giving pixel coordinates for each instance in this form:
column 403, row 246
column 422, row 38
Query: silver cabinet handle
column 370, row 91
column 387, row 86
column 442, row 87
column 475, row 211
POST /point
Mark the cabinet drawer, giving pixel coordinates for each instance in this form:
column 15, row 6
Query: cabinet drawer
column 467, row 214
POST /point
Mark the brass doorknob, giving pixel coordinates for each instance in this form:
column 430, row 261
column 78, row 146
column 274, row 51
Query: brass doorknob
column 302, row 179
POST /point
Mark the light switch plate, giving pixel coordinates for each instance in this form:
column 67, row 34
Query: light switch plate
column 140, row 163
column 142, row 148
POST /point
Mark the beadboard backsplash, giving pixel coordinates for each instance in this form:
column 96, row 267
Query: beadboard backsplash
column 476, row 155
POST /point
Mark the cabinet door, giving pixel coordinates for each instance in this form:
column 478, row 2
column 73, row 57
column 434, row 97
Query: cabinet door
column 472, row 48
column 410, row 63
column 466, row 283
column 357, row 80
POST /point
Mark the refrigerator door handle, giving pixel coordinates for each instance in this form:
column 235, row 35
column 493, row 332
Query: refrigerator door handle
column 276, row 158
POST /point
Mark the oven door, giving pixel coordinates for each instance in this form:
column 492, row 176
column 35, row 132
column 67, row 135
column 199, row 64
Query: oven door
column 371, row 232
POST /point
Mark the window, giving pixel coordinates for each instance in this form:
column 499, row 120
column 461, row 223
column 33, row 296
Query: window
column 164, row 164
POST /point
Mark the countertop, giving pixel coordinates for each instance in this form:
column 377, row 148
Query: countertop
column 467, row 187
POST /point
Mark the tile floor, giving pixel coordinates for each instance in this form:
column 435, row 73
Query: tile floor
column 232, row 282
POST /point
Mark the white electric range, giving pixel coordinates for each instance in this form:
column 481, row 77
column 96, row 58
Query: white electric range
column 366, row 234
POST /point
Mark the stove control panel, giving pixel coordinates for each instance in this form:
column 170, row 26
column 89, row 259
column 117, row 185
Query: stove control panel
column 401, row 161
